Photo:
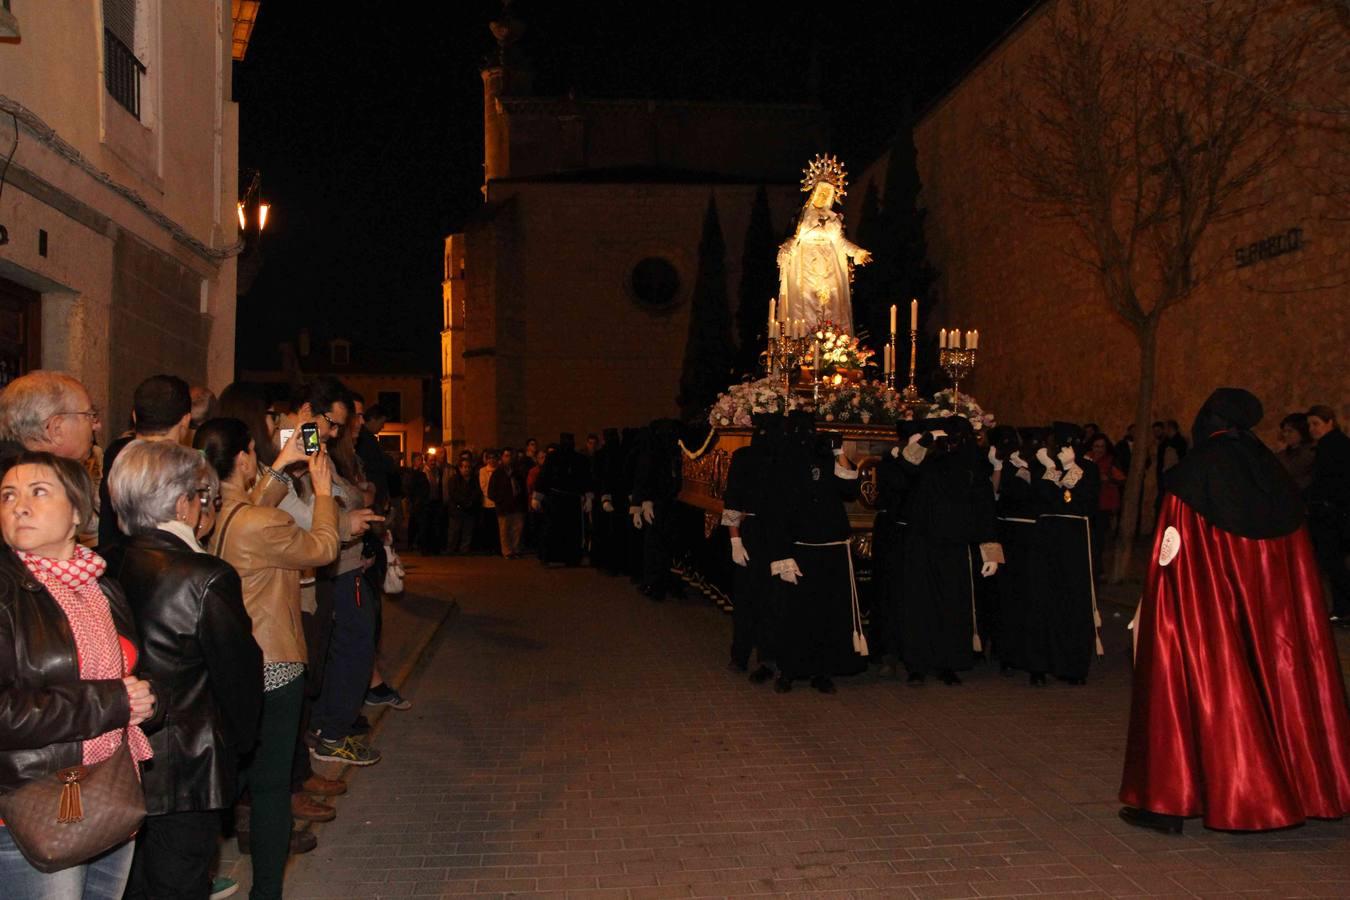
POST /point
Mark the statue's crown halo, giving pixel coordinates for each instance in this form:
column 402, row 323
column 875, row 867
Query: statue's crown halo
column 827, row 168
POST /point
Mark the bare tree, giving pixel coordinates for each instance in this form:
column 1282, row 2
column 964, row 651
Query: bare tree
column 1142, row 143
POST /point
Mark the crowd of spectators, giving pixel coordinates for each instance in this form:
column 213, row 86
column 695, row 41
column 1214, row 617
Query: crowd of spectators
column 205, row 592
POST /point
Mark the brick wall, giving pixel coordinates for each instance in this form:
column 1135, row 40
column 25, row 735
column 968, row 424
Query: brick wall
column 1050, row 347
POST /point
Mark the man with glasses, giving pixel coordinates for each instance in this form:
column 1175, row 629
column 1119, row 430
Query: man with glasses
column 161, row 410
column 48, row 410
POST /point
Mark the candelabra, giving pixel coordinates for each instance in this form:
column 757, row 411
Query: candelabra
column 958, row 364
column 787, row 355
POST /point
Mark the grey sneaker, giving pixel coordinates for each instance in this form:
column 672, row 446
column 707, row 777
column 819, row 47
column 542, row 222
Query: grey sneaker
column 384, row 695
column 347, row 751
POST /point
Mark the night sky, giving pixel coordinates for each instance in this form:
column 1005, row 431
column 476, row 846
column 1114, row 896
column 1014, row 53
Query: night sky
column 368, row 129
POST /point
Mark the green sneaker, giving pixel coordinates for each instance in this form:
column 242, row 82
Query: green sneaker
column 222, row 887
column 347, row 751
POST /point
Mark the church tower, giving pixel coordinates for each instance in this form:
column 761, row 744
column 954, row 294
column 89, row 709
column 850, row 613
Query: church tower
column 509, row 76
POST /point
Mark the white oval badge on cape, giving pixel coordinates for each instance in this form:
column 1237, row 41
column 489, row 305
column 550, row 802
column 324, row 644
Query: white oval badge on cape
column 1171, row 546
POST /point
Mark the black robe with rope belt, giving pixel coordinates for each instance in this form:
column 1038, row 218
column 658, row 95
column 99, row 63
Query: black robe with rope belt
column 1062, row 621
column 949, row 511
column 744, row 503
column 816, row 618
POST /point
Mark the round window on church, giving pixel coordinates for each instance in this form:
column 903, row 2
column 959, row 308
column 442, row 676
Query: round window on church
column 654, row 283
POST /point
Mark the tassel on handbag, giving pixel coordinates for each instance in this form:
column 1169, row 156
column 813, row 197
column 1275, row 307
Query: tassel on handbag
column 70, row 809
column 860, row 643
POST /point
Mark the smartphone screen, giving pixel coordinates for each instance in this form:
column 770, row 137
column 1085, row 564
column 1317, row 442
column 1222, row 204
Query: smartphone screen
column 284, row 435
column 309, row 434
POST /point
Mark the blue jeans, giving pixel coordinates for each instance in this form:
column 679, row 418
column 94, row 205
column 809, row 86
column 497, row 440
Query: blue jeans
column 102, row 878
column 351, row 657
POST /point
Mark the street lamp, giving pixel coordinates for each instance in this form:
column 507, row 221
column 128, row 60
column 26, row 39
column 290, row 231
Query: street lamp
column 252, row 201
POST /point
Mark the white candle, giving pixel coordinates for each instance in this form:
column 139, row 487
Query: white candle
column 942, row 339
column 892, row 318
column 886, row 359
column 975, row 339
column 890, row 360
column 913, row 315
column 773, row 306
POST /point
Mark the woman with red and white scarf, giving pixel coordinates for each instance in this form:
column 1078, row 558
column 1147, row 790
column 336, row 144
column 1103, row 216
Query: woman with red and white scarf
column 67, row 651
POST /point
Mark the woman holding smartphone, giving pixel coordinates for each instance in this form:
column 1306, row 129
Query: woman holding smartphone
column 269, row 551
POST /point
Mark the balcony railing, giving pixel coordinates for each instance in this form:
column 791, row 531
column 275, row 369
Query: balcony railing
column 122, row 73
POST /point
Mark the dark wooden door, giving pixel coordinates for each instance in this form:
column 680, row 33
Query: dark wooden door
column 20, row 331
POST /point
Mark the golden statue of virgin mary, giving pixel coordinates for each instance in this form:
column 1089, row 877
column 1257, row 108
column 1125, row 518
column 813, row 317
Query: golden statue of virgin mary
column 813, row 264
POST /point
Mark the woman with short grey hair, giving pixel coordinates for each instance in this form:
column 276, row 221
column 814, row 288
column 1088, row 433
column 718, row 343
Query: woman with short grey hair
column 162, row 482
column 199, row 644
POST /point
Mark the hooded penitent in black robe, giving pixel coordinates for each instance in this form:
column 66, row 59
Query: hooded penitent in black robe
column 807, row 522
column 744, row 503
column 949, row 515
column 563, row 483
column 1062, row 620
column 657, row 482
column 888, row 550
column 1015, row 508
column 607, row 480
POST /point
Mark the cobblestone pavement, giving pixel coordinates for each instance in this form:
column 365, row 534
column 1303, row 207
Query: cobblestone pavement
column 572, row 739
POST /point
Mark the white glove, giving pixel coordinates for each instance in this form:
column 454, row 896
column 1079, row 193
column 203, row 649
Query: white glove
column 636, row 513
column 607, row 504
column 1071, row 475
column 914, row 453
column 994, row 460
column 1051, row 473
column 1016, row 459
column 787, row 570
column 738, row 554
column 1066, row 456
column 587, row 503
column 648, row 511
column 536, row 501
column 988, row 569
column 937, row 434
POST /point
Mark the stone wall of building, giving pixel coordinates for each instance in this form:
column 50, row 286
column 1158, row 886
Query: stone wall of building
column 1049, row 345
column 555, row 339
column 124, row 226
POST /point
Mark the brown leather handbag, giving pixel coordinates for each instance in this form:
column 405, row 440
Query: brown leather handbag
column 74, row 814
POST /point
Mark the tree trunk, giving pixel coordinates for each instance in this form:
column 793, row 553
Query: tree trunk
column 1140, row 457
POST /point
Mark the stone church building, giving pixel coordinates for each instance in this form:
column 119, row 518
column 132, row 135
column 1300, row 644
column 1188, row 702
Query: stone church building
column 1273, row 317
column 567, row 299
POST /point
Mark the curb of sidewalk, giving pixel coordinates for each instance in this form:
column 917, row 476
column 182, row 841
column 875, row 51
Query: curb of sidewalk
column 400, row 678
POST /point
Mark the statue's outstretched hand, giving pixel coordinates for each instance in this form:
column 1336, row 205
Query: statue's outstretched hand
column 863, row 258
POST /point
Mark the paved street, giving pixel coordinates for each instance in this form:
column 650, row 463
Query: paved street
column 573, row 739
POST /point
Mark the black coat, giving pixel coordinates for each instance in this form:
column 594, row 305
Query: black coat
column 46, row 710
column 199, row 651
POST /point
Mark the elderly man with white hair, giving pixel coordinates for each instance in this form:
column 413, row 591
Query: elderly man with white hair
column 47, row 411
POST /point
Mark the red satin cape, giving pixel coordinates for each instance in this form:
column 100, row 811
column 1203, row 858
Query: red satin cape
column 1239, row 710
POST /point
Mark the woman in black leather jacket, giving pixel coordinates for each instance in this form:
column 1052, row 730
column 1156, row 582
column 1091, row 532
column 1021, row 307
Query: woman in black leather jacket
column 67, row 644
column 198, row 649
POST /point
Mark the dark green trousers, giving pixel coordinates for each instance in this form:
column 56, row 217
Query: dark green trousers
column 268, row 777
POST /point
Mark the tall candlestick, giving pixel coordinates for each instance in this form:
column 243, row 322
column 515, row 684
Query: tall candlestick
column 886, row 360
column 892, row 318
column 817, row 369
column 913, row 316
